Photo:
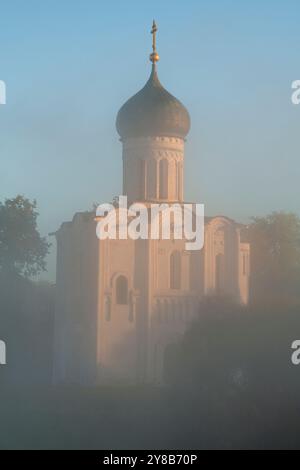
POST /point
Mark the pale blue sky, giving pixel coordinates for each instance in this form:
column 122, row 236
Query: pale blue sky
column 69, row 66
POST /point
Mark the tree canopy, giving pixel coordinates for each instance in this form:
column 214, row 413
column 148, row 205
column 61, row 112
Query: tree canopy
column 275, row 253
column 22, row 249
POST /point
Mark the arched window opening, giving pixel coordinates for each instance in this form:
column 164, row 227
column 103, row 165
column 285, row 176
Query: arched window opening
column 122, row 290
column 179, row 180
column 163, row 179
column 107, row 308
column 175, row 270
column 219, row 273
column 159, row 311
column 244, row 265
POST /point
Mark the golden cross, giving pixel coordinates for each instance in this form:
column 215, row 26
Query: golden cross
column 153, row 32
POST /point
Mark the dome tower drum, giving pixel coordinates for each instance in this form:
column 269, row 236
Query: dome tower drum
column 153, row 126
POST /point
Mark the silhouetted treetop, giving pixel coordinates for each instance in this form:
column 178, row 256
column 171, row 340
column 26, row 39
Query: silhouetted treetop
column 22, row 249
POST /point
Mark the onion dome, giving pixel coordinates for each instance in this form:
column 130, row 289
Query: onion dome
column 153, row 111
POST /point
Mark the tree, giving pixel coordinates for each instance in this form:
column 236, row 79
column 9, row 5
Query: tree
column 22, row 249
column 232, row 370
column 275, row 254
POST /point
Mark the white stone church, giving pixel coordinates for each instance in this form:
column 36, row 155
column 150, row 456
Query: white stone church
column 121, row 302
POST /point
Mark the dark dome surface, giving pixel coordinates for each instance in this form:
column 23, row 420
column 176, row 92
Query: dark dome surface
column 153, row 111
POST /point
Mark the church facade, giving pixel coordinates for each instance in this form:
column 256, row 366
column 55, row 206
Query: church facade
column 119, row 303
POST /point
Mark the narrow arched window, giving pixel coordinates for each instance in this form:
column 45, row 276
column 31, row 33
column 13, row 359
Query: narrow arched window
column 175, row 270
column 122, row 290
column 219, row 272
column 244, row 264
column 163, row 179
column 179, row 175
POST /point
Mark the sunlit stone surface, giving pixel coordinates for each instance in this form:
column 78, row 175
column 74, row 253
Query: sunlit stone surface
column 121, row 302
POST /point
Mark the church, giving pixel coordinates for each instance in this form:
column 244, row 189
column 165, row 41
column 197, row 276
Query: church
column 121, row 302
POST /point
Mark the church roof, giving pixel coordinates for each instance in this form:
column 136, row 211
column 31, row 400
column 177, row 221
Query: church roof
column 153, row 111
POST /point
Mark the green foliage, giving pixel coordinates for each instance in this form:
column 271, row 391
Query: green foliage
column 22, row 249
column 235, row 363
column 232, row 347
column 275, row 255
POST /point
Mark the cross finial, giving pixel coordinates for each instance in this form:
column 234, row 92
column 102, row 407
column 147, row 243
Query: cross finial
column 153, row 32
column 154, row 57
